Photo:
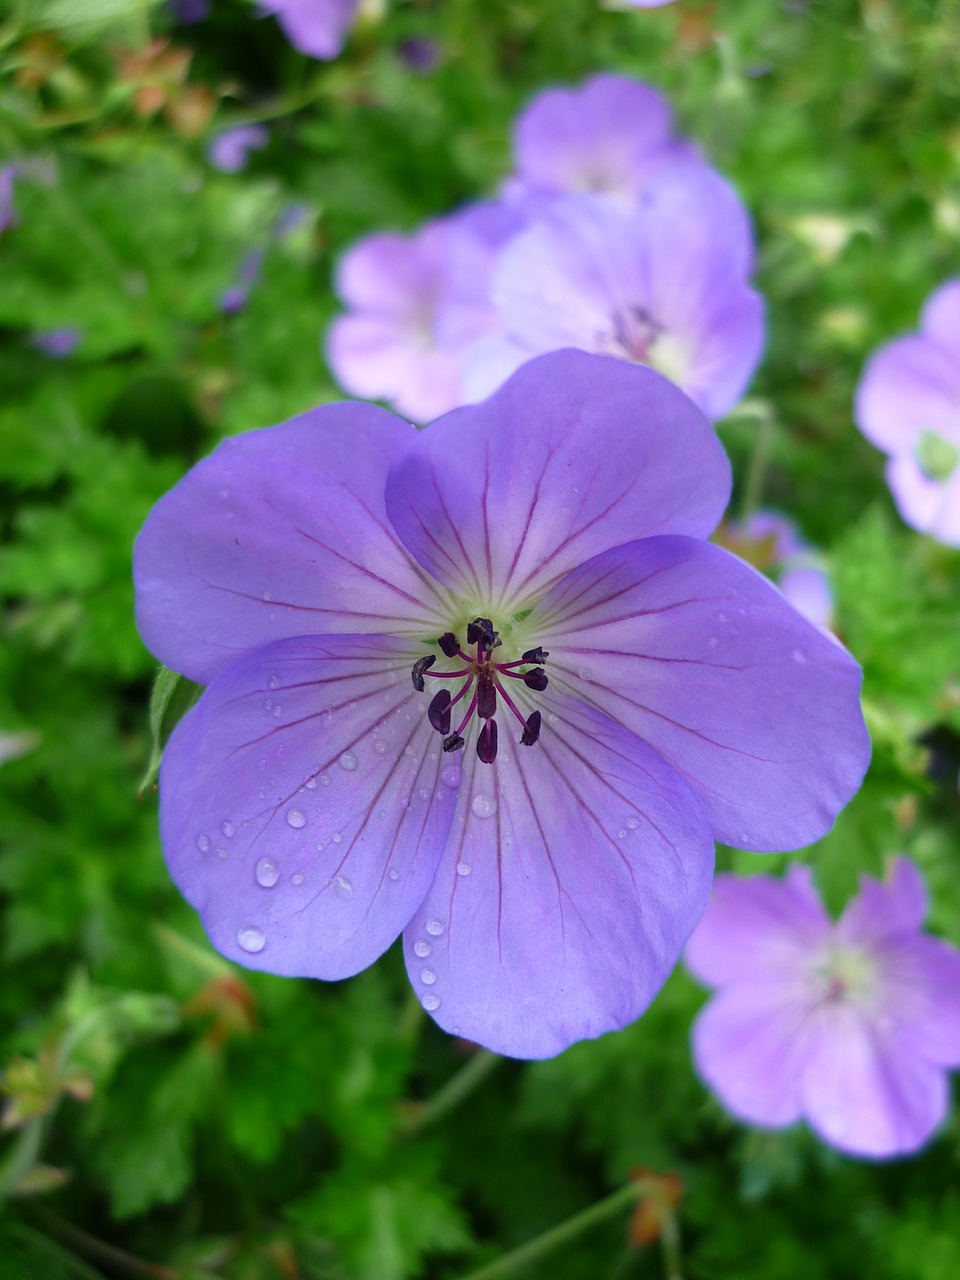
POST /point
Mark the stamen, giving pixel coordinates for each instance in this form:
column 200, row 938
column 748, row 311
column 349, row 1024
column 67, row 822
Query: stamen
column 449, row 644
column 531, row 730
column 438, row 713
column 453, row 743
column 486, row 697
column 536, row 679
column 419, row 667
column 535, row 655
column 487, row 742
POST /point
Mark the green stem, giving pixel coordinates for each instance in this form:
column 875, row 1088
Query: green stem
column 23, row 1157
column 756, row 476
column 99, row 1251
column 561, row 1234
column 458, row 1087
column 670, row 1243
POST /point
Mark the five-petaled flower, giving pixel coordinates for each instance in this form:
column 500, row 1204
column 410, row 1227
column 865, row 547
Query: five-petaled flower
column 849, row 1025
column 536, row 563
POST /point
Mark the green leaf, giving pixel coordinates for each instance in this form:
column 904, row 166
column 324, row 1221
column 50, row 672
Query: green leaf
column 171, row 698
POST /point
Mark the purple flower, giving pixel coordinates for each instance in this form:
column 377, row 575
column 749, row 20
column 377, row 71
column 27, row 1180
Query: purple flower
column 664, row 285
column 229, row 148
column 8, row 214
column 647, row 4
column 908, row 405
column 417, row 304
column 486, row 685
column 771, row 542
column 189, row 11
column 848, row 1025
column 235, row 298
column 609, row 137
column 317, row 28
column 58, row 343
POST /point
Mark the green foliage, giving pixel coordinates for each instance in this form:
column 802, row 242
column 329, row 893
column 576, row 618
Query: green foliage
column 205, row 1122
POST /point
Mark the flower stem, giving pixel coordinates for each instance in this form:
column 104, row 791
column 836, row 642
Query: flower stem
column 458, row 1087
column 559, row 1235
column 759, row 461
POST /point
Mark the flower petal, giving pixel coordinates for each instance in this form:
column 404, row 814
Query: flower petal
column 293, row 817
column 280, row 532
column 864, row 1092
column 613, row 452
column 748, row 1047
column 884, row 908
column 941, row 316
column 910, row 385
column 573, row 875
column 932, row 506
column 919, row 979
column 701, row 657
column 757, row 927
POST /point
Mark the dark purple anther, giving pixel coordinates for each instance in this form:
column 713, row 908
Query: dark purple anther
column 487, row 741
column 536, row 680
column 453, row 743
column 535, row 655
column 449, row 644
column 480, row 631
column 438, row 713
column 419, row 667
column 531, row 730
column 486, row 697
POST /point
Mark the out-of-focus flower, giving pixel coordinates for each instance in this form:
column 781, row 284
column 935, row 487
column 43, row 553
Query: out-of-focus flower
column 229, row 149
column 609, row 137
column 420, row 54
column 16, row 743
column 58, row 343
column 417, row 304
column 908, row 405
column 189, row 11
column 664, row 285
column 234, row 298
column 536, row 561
column 771, row 542
column 849, row 1025
column 317, row 28
column 8, row 214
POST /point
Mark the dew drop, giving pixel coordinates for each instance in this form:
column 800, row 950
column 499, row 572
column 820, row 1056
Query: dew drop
column 296, row 819
column 337, row 837
column 267, row 872
column 422, row 948
column 273, row 616
column 348, row 761
column 203, row 843
column 311, row 784
column 633, row 822
column 393, row 873
column 464, row 868
column 343, row 888
column 434, row 928
column 268, row 704
column 268, row 595
column 262, row 794
column 297, row 878
column 450, row 775
column 277, row 712
column 428, row 977
column 251, row 939
column 430, row 1002
column 621, row 833
column 273, row 682
column 798, row 655
column 224, row 493
column 380, row 747
column 325, row 780
column 424, row 793
column 228, row 829
column 222, row 852
column 483, row 805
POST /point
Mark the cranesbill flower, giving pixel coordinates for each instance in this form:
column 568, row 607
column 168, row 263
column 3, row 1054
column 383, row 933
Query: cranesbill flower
column 317, row 28
column 663, row 285
column 908, row 405
column 486, row 685
column 771, row 542
column 849, row 1025
column 609, row 136
column 229, row 149
column 416, row 305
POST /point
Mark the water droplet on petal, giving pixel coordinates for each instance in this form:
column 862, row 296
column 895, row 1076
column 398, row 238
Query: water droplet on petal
column 297, row 878
column 337, row 837
column 268, row 704
column 424, row 793
column 251, row 939
column 450, row 775
column 621, row 833
column 483, row 805
column 343, row 888
column 268, row 595
column 296, row 819
column 428, row 977
column 222, row 852
column 422, row 948
column 798, row 655
column 273, row 682
column 348, row 761
column 633, row 822
column 311, row 784
column 228, row 829
column 267, row 872
column 380, row 747
column 325, row 780
column 434, row 928
column 277, row 711
column 393, row 873
column 203, row 843
column 430, row 1002
column 463, row 868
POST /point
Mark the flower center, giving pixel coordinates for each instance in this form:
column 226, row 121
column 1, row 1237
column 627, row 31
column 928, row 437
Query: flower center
column 484, row 678
column 844, row 975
